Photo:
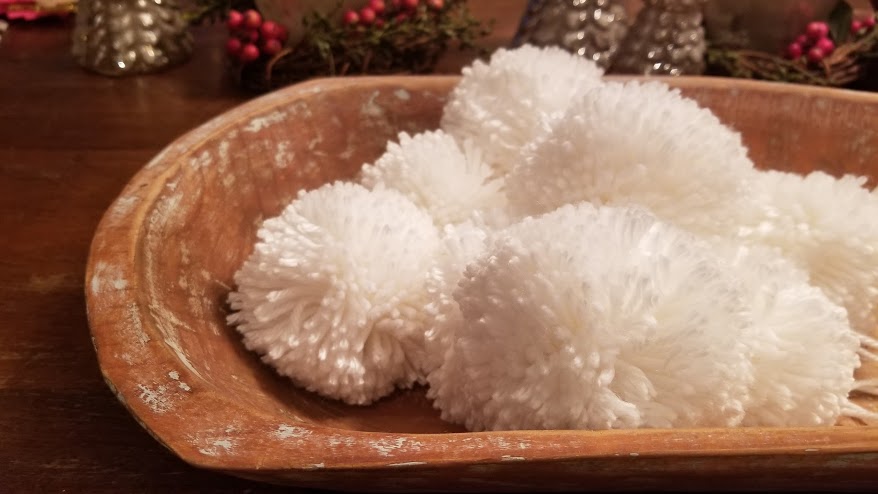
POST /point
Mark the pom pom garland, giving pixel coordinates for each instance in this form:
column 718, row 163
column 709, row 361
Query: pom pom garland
column 572, row 253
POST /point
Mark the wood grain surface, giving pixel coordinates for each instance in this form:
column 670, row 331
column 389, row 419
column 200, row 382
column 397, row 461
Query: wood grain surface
column 69, row 141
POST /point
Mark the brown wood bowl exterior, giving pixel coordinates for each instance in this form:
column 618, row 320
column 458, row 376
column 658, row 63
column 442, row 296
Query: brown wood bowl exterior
column 163, row 258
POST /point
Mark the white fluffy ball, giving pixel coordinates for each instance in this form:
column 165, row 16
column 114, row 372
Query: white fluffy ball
column 461, row 244
column 507, row 103
column 333, row 295
column 638, row 143
column 804, row 350
column 448, row 180
column 594, row 319
column 827, row 227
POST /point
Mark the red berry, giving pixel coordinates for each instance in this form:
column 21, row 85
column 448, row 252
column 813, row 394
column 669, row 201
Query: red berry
column 396, row 3
column 235, row 20
column 816, row 55
column 817, row 30
column 869, row 22
column 436, row 4
column 350, row 18
column 252, row 19
column 379, row 23
column 249, row 53
column 856, row 26
column 233, row 47
column 803, row 40
column 367, row 16
column 794, row 51
column 377, row 6
column 825, row 45
column 271, row 47
column 409, row 4
column 269, row 30
column 401, row 17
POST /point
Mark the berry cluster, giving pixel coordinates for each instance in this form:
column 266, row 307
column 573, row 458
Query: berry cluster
column 816, row 43
column 377, row 12
column 862, row 27
column 251, row 37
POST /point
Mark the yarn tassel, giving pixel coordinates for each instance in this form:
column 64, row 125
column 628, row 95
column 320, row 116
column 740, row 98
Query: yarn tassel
column 868, row 349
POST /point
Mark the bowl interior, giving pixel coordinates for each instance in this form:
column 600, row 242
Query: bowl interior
column 203, row 225
column 165, row 255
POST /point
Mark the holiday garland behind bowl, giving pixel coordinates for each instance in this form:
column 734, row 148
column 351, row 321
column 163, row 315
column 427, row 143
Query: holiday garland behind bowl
column 344, row 38
column 835, row 52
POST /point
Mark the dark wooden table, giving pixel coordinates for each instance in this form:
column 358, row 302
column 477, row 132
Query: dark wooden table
column 69, row 141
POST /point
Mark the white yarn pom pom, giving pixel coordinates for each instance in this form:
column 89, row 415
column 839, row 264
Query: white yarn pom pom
column 461, row 244
column 829, row 228
column 638, row 143
column 804, row 350
column 333, row 295
column 596, row 319
column 448, row 181
column 506, row 104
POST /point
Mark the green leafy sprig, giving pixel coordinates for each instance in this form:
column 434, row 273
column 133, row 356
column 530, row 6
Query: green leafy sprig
column 210, row 11
column 330, row 48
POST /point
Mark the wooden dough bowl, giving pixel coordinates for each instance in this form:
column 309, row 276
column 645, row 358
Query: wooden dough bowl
column 163, row 258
